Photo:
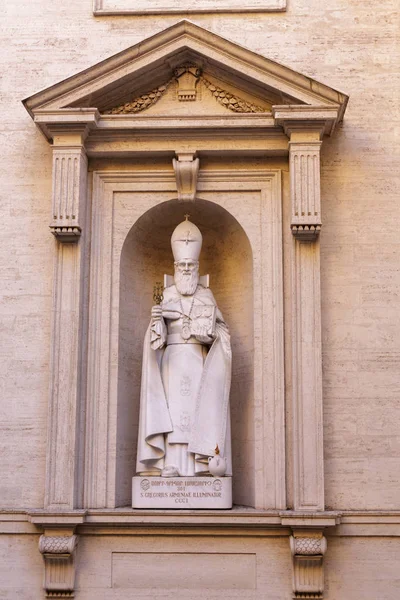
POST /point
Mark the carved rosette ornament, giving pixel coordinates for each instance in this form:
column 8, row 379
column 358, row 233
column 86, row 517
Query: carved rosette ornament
column 59, row 557
column 308, row 551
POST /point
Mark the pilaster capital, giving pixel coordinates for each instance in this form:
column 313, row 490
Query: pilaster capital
column 295, row 118
column 66, row 126
column 69, row 187
column 304, row 163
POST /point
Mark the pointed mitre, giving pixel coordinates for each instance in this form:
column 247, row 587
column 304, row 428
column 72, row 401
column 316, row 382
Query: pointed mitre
column 186, row 241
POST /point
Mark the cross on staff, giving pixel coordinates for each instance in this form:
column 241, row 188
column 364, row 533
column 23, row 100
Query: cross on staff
column 187, row 238
column 158, row 293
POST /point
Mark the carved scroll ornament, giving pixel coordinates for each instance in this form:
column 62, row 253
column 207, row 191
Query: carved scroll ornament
column 308, row 571
column 59, row 554
column 186, row 167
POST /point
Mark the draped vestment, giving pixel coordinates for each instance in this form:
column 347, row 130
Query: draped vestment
column 184, row 403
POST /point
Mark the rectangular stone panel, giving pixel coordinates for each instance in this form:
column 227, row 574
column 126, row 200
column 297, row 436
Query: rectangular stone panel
column 182, row 492
column 114, row 7
column 166, row 570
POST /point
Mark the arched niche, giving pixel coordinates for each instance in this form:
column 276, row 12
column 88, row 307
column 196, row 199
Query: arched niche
column 227, row 256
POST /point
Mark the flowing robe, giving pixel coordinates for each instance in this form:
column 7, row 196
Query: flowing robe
column 184, row 403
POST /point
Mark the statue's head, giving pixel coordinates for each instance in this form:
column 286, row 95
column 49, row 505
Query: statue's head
column 186, row 244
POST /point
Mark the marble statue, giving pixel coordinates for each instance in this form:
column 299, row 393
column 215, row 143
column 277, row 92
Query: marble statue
column 186, row 373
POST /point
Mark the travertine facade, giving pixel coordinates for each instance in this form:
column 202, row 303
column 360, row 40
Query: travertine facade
column 315, row 408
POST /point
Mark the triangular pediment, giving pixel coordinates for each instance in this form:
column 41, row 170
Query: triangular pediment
column 186, row 73
column 153, row 63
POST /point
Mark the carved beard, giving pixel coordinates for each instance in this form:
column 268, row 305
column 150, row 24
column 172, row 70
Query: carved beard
column 186, row 284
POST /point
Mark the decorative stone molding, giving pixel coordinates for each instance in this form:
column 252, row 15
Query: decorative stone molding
column 308, row 546
column 311, row 117
column 69, row 192
column 59, row 558
column 308, row 551
column 304, row 159
column 57, row 544
column 306, row 233
column 305, row 127
column 186, row 168
column 142, row 102
column 230, row 101
column 66, row 234
column 187, row 78
column 140, row 7
column 264, row 190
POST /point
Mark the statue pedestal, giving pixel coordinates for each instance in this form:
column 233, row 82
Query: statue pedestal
column 182, row 492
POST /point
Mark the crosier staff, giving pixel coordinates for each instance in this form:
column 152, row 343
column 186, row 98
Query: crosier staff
column 158, row 295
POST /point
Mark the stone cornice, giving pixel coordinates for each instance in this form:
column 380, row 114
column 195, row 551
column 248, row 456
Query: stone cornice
column 66, row 121
column 349, row 523
column 237, row 517
column 49, row 518
column 304, row 117
column 91, row 125
column 96, row 128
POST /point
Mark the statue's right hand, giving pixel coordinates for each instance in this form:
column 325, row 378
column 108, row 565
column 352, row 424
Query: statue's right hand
column 156, row 313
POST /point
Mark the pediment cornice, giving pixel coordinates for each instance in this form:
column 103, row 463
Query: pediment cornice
column 256, row 88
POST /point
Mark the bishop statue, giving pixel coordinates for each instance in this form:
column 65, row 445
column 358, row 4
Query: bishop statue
column 186, row 372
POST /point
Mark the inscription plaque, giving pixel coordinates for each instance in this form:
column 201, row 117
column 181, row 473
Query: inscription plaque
column 182, row 492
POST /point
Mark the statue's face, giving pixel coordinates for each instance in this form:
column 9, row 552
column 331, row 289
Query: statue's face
column 186, row 276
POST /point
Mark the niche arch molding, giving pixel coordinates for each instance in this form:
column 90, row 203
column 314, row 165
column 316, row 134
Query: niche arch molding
column 120, row 199
column 227, row 257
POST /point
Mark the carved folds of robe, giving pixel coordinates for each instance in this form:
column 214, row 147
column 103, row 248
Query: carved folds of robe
column 184, row 404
